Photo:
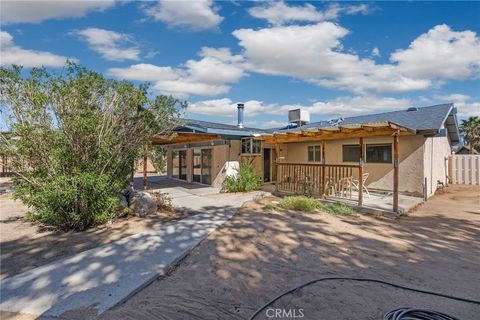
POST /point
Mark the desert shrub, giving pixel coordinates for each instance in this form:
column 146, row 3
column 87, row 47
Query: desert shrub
column 246, row 179
column 163, row 201
column 341, row 209
column 297, row 203
column 74, row 140
column 304, row 203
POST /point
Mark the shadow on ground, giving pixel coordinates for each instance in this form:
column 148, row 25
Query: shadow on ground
column 259, row 254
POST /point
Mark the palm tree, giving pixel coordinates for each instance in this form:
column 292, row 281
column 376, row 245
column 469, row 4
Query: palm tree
column 471, row 132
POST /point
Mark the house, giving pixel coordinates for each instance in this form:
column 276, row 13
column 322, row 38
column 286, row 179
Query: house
column 401, row 152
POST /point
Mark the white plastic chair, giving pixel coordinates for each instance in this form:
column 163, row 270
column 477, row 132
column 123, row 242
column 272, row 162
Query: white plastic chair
column 356, row 183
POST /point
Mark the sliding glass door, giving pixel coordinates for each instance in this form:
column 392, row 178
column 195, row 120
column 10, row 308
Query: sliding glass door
column 179, row 161
column 202, row 166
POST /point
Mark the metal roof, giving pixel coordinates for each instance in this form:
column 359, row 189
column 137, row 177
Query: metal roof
column 217, row 128
column 427, row 118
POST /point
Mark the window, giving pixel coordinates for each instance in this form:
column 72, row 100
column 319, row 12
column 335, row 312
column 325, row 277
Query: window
column 251, row 146
column 351, row 153
column 313, row 153
column 379, row 153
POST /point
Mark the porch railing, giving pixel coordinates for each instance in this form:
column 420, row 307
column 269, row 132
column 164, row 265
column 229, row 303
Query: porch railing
column 321, row 180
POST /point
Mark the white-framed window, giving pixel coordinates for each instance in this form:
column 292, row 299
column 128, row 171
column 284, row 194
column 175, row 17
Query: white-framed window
column 314, row 153
column 251, row 146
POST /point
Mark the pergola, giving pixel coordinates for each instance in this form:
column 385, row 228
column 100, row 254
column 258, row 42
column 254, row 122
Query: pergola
column 346, row 131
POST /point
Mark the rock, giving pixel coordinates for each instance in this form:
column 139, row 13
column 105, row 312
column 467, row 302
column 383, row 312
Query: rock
column 123, row 206
column 129, row 191
column 142, row 204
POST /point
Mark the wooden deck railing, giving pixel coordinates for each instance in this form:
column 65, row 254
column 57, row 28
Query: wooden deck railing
column 321, row 180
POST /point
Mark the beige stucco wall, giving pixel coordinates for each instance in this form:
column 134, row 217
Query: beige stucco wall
column 436, row 150
column 380, row 174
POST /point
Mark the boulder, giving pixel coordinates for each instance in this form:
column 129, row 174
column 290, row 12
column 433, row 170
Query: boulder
column 142, row 204
column 123, row 206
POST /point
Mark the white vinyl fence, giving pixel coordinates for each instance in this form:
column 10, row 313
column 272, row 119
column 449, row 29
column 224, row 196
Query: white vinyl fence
column 464, row 169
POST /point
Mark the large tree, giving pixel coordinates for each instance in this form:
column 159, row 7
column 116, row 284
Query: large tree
column 471, row 132
column 74, row 138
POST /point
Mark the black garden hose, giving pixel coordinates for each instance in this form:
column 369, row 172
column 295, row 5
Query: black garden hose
column 396, row 314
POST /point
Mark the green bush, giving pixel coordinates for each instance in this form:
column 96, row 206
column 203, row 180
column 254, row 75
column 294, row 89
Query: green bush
column 304, row 203
column 341, row 209
column 245, row 180
column 298, row 203
column 74, row 140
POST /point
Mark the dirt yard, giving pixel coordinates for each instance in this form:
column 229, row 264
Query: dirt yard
column 258, row 255
column 25, row 246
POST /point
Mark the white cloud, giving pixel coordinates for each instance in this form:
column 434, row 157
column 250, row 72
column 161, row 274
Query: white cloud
column 441, row 53
column 376, row 52
column 340, row 106
column 466, row 108
column 110, row 45
column 279, row 13
column 144, row 72
column 195, row 15
column 454, row 97
column 209, row 76
column 12, row 54
column 14, row 11
column 313, row 53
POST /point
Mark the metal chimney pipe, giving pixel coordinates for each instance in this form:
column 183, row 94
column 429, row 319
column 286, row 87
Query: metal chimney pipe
column 240, row 108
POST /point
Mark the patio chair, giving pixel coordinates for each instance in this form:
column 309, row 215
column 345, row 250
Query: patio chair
column 356, row 183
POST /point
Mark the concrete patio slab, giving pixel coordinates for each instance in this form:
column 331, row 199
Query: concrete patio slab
column 103, row 277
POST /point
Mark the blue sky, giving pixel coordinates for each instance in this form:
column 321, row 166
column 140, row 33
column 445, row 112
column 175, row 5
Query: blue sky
column 331, row 58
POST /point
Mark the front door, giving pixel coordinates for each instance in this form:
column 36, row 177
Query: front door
column 267, row 165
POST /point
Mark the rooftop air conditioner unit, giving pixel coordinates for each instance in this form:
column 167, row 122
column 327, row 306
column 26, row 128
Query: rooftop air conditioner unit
column 298, row 116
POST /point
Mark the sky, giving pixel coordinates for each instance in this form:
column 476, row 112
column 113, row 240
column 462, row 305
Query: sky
column 334, row 59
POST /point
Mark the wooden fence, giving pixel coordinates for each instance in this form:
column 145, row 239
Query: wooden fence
column 5, row 166
column 464, row 169
column 322, row 180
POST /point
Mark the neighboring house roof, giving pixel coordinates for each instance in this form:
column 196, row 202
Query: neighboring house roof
column 217, row 128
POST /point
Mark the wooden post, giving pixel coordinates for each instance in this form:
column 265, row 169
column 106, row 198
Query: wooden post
column 396, row 165
column 323, row 167
column 277, row 151
column 360, row 173
column 145, row 159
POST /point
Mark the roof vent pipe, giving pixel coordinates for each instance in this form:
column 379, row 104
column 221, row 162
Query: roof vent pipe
column 240, row 108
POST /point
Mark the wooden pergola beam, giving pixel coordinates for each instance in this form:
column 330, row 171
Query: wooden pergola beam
column 284, row 138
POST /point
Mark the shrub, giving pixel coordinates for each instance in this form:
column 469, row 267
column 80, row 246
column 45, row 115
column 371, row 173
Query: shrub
column 297, row 203
column 163, row 201
column 74, row 140
column 303, row 203
column 246, row 179
column 341, row 209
